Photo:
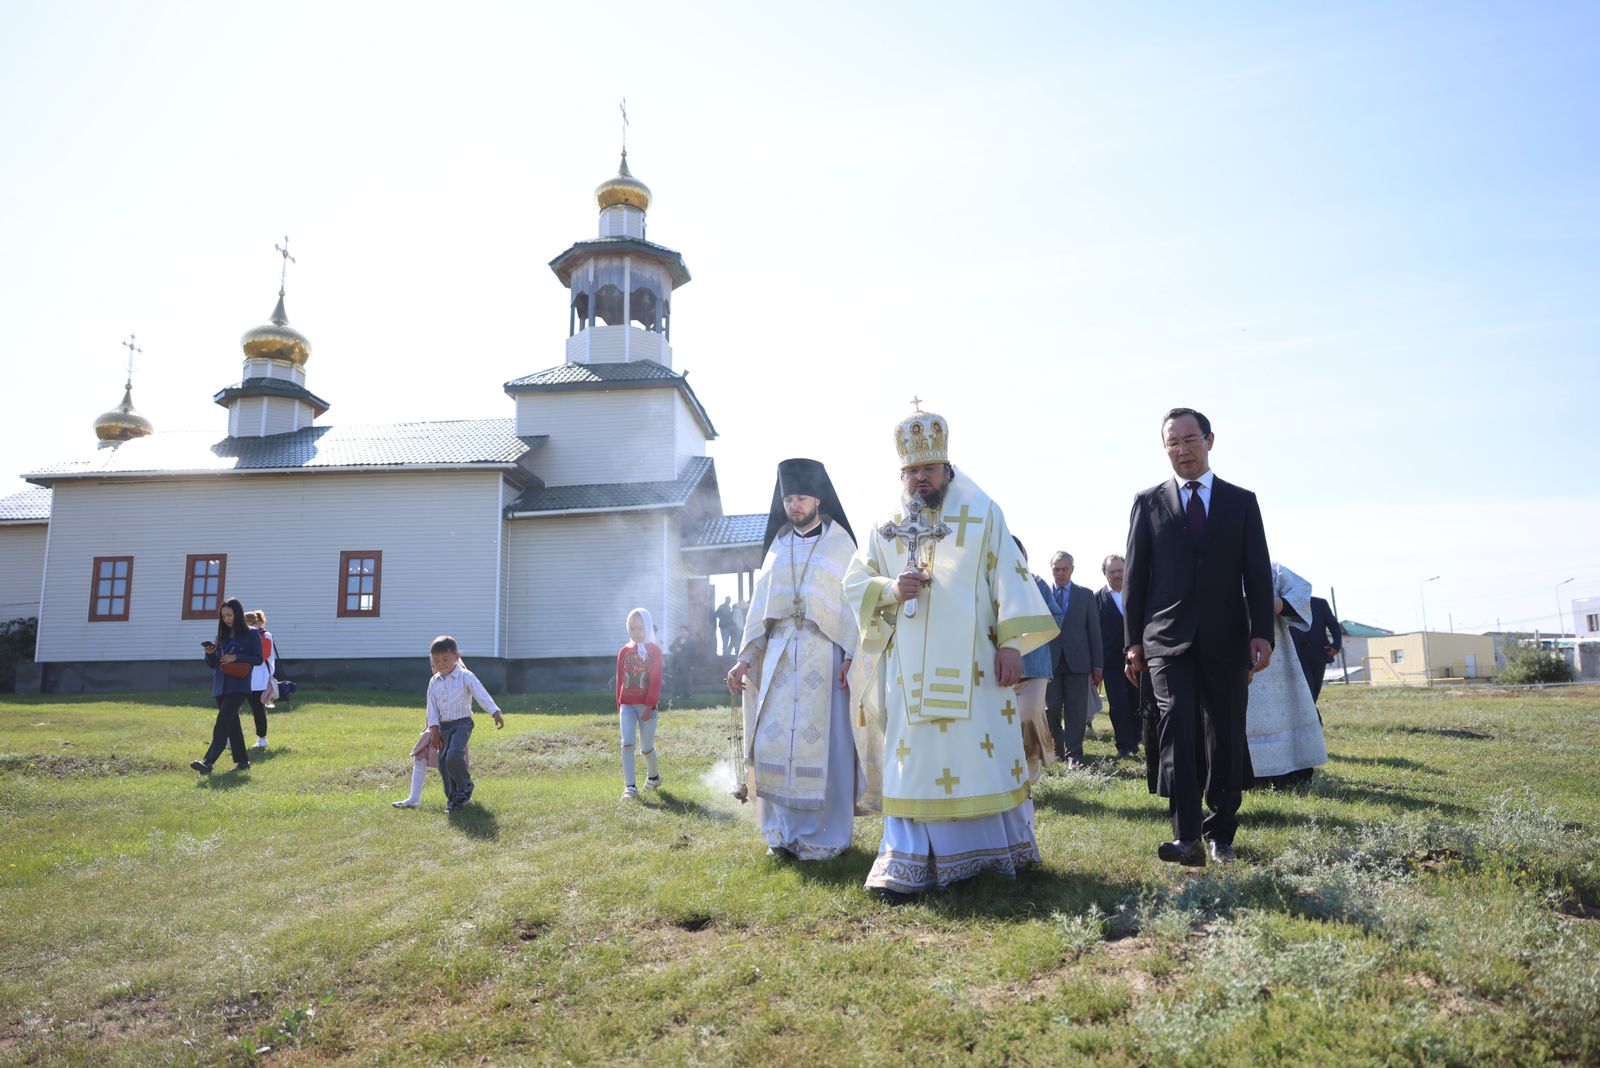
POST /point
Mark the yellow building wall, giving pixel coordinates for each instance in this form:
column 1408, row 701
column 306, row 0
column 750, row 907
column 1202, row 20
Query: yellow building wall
column 1447, row 657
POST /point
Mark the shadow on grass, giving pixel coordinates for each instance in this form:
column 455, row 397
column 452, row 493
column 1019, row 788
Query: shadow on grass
column 475, row 821
column 1036, row 892
column 219, row 779
column 1402, row 763
column 261, row 756
column 677, row 804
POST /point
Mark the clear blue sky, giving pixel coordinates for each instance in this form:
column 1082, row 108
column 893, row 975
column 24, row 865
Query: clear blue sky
column 1363, row 238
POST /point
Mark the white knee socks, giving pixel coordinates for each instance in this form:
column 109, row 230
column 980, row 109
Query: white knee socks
column 419, row 772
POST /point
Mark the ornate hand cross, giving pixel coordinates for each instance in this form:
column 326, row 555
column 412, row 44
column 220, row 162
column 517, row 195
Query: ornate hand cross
column 919, row 534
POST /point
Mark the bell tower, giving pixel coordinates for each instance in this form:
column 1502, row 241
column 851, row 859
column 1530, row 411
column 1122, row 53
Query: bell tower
column 620, row 285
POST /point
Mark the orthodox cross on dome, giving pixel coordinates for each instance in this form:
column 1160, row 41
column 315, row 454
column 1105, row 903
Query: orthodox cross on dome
column 622, row 106
column 283, row 250
column 916, row 403
column 133, row 350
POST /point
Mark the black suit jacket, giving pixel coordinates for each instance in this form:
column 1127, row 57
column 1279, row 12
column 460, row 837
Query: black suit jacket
column 1211, row 594
column 1111, row 635
column 1324, row 631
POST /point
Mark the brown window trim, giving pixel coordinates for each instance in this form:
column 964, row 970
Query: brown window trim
column 376, row 556
column 94, row 589
column 188, row 584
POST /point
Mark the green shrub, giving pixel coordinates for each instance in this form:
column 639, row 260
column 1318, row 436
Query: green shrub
column 1527, row 663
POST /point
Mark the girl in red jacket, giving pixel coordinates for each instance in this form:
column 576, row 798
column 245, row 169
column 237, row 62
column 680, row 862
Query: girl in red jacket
column 638, row 691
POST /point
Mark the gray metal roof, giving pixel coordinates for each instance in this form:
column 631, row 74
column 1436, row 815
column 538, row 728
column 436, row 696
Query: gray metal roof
column 569, row 261
column 634, row 374
column 729, row 530
column 269, row 387
column 29, row 506
column 454, row 443
column 616, row 496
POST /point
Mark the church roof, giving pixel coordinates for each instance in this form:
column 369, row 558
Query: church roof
column 634, row 374
column 491, row 443
column 724, row 530
column 616, row 496
column 569, row 261
column 269, row 387
column 30, row 506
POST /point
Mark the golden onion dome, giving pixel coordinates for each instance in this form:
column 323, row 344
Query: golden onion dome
column 276, row 340
column 623, row 189
column 122, row 422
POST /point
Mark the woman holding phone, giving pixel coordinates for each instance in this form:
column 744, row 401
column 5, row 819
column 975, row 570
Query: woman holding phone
column 232, row 659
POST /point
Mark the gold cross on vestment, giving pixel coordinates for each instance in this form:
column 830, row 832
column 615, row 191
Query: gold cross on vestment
column 1016, row 771
column 987, row 745
column 902, row 751
column 948, row 781
column 944, row 726
column 1021, row 569
column 962, row 520
column 977, row 673
column 1010, row 711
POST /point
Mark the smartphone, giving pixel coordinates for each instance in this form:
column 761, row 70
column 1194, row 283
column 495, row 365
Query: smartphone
column 208, row 645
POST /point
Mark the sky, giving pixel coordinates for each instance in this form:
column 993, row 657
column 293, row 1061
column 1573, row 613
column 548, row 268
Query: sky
column 1363, row 238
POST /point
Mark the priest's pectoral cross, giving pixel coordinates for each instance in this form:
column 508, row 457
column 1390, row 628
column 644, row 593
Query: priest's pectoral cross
column 948, row 781
column 961, row 522
column 987, row 745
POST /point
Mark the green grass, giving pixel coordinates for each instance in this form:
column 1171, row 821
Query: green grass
column 1431, row 898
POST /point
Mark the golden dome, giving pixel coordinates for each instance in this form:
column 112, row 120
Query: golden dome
column 623, row 189
column 276, row 340
column 122, row 422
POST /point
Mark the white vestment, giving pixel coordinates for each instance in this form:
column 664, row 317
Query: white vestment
column 954, row 778
column 1281, row 721
column 799, row 751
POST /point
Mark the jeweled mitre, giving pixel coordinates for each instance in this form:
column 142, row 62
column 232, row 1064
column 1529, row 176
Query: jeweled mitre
column 922, row 438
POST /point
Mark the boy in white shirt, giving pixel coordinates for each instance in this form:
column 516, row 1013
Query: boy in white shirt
column 450, row 695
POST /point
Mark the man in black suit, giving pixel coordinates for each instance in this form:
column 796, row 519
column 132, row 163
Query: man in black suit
column 1318, row 646
column 1120, row 695
column 1199, row 600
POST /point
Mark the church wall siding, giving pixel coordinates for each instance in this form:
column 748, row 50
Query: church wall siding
column 622, row 436
column 688, row 439
column 575, row 578
column 283, row 536
column 21, row 569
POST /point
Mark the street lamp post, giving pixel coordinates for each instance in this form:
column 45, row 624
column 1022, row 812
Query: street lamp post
column 1422, row 595
column 1560, row 629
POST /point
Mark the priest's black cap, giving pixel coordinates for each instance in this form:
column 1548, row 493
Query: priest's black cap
column 800, row 475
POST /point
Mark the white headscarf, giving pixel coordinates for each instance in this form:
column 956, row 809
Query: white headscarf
column 649, row 630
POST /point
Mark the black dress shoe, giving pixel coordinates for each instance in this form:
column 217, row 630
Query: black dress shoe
column 893, row 897
column 243, row 765
column 1221, row 852
column 201, row 766
column 1191, row 853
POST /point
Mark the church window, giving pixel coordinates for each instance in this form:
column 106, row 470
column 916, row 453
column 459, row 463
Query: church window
column 110, row 584
column 360, row 582
column 203, row 583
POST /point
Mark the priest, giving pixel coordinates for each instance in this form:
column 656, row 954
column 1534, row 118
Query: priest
column 794, row 660
column 947, row 607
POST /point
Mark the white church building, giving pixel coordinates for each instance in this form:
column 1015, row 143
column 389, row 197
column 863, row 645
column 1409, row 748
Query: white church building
column 504, row 532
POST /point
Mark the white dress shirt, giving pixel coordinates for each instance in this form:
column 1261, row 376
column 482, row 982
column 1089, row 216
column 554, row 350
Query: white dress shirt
column 450, row 696
column 1205, row 481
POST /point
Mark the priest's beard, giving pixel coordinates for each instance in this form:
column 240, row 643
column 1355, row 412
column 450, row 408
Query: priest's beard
column 805, row 522
column 933, row 498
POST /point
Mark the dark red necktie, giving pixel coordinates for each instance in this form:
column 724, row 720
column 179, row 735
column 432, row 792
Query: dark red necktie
column 1196, row 511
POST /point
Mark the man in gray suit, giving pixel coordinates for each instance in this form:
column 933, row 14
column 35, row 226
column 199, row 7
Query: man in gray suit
column 1078, row 658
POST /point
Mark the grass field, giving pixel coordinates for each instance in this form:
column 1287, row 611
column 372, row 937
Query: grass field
column 1430, row 898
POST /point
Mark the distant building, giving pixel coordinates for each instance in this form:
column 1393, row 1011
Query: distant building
column 1586, row 618
column 1423, row 658
column 1356, row 636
